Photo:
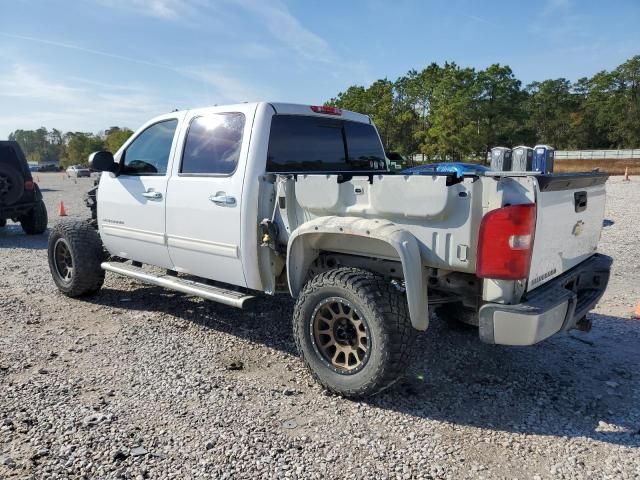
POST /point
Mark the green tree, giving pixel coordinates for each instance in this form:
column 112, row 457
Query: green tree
column 78, row 147
column 500, row 106
column 393, row 118
column 549, row 108
column 115, row 138
column 624, row 104
column 420, row 89
column 454, row 130
column 39, row 146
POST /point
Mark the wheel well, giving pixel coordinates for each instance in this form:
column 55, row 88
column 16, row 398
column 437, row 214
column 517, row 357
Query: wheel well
column 363, row 242
column 328, row 260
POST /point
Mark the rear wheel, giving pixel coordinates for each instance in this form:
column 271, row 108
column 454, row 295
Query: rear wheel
column 35, row 222
column 11, row 184
column 353, row 331
column 75, row 254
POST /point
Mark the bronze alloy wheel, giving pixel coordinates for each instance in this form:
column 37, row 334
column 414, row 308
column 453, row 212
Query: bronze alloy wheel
column 340, row 336
column 63, row 260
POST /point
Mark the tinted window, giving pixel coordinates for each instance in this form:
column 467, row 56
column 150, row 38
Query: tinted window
column 213, row 144
column 149, row 153
column 304, row 143
column 363, row 145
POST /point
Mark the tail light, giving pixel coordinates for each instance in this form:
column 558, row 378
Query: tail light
column 326, row 110
column 28, row 185
column 505, row 242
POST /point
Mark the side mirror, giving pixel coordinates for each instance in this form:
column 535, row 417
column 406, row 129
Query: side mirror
column 103, row 162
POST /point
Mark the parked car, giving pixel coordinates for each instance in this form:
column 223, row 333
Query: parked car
column 78, row 171
column 266, row 198
column 20, row 197
column 458, row 168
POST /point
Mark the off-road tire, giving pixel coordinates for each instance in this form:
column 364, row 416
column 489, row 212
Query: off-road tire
column 385, row 310
column 457, row 317
column 11, row 185
column 35, row 222
column 86, row 252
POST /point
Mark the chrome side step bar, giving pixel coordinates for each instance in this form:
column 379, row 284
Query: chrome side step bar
column 217, row 294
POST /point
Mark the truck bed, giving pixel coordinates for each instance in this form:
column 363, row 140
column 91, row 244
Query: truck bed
column 445, row 215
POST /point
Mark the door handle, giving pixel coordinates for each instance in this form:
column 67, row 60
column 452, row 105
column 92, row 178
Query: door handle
column 222, row 199
column 152, row 195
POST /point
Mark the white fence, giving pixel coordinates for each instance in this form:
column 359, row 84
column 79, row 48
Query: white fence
column 628, row 154
column 598, row 154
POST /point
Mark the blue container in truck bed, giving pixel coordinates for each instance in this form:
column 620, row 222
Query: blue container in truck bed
column 543, row 156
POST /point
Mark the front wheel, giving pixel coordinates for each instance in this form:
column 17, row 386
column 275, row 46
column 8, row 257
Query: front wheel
column 353, row 331
column 75, row 253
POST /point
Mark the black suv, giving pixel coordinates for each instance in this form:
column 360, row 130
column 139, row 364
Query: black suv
column 20, row 197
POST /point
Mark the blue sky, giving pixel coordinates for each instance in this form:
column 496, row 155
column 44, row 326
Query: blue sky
column 89, row 64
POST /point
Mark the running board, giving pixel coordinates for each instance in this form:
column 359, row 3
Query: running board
column 217, row 294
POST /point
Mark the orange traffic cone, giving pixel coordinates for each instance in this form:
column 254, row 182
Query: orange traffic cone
column 626, row 175
column 636, row 314
column 61, row 211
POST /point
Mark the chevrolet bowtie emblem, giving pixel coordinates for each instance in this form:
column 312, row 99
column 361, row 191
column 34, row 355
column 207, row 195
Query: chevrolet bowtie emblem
column 578, row 228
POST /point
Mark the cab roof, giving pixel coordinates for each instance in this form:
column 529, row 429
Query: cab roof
column 301, row 109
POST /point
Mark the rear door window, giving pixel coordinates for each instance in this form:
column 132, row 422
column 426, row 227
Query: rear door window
column 213, row 144
column 300, row 143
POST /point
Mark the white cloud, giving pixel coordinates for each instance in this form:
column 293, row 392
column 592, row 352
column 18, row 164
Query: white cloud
column 220, row 86
column 70, row 106
column 74, row 103
column 164, row 9
column 553, row 6
column 22, row 81
column 80, row 48
column 287, row 29
column 273, row 15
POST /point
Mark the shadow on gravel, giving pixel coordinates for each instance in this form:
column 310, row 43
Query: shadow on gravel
column 568, row 387
column 12, row 236
column 266, row 320
column 575, row 385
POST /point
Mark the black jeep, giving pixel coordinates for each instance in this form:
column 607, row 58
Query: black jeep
column 20, row 197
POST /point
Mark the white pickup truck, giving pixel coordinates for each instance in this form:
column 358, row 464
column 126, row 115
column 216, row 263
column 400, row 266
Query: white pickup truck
column 229, row 202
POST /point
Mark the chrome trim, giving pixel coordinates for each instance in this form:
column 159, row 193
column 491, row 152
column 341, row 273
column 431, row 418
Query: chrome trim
column 216, row 294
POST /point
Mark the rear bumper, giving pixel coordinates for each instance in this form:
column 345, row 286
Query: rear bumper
column 549, row 309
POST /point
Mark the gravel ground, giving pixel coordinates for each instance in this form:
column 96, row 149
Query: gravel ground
column 138, row 382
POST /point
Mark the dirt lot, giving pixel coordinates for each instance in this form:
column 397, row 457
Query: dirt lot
column 612, row 167
column 136, row 383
